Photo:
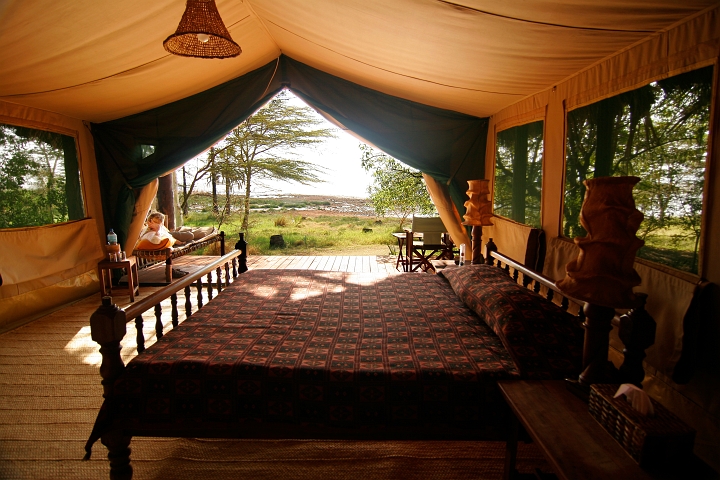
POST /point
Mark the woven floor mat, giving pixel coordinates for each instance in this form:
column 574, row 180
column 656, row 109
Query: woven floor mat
column 43, row 369
column 282, row 459
column 90, row 378
column 51, row 403
column 20, row 417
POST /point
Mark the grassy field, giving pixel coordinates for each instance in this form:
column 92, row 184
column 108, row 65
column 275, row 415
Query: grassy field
column 308, row 226
column 672, row 247
column 341, row 226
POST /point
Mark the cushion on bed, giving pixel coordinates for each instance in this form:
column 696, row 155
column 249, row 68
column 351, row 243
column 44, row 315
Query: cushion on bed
column 202, row 232
column 544, row 341
column 148, row 245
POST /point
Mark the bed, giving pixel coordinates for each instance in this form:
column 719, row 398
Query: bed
column 313, row 354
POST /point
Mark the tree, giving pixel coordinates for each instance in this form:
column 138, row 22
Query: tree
column 658, row 133
column 396, row 189
column 261, row 148
column 32, row 177
column 518, row 173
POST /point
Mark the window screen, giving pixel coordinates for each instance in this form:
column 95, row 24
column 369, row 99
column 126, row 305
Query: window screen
column 39, row 178
column 659, row 133
column 518, row 173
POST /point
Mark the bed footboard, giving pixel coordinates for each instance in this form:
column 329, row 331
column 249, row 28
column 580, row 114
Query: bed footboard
column 108, row 326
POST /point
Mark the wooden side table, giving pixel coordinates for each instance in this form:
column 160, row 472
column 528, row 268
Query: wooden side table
column 129, row 265
column 574, row 444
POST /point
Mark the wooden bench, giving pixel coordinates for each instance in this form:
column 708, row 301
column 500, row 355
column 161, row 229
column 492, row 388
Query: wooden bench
column 146, row 258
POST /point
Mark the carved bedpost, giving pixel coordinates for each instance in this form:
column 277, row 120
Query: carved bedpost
column 490, row 247
column 242, row 259
column 107, row 328
column 603, row 275
column 637, row 332
column 597, row 324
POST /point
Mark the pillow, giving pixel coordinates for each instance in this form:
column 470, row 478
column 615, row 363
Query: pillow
column 544, row 341
column 201, row 232
column 148, row 245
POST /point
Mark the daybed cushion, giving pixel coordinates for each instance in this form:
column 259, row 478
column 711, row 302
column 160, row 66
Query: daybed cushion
column 148, row 245
column 202, row 232
column 544, row 341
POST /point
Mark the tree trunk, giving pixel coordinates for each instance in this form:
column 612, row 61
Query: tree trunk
column 213, row 182
column 605, row 137
column 246, row 205
column 228, row 191
column 185, row 193
column 166, row 200
column 519, row 165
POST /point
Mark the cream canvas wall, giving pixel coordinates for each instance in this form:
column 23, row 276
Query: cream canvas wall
column 689, row 45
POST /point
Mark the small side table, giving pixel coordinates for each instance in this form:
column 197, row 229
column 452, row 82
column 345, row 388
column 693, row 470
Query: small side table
column 574, row 444
column 129, row 265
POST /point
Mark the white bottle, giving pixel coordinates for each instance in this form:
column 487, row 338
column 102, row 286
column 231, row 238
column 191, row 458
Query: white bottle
column 462, row 254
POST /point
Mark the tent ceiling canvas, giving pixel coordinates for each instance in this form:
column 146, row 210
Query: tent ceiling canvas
column 101, row 60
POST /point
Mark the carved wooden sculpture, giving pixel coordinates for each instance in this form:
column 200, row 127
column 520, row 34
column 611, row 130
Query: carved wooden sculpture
column 107, row 326
column 603, row 274
column 478, row 213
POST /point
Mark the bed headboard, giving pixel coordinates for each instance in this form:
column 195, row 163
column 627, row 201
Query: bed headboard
column 631, row 370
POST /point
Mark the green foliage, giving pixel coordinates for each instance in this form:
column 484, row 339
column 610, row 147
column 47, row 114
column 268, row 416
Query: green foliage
column 518, row 173
column 659, row 133
column 311, row 235
column 32, row 178
column 262, row 148
column 397, row 190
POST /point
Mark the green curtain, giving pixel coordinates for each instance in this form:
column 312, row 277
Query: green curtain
column 447, row 145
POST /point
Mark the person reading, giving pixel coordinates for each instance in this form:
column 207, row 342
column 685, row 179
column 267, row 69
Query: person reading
column 155, row 236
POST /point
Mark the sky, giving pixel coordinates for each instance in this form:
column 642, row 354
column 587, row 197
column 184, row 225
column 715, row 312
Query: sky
column 340, row 158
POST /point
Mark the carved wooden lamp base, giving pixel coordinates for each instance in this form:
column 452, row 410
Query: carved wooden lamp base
column 602, row 275
column 598, row 369
column 477, row 257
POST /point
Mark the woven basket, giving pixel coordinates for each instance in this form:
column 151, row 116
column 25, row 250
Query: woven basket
column 651, row 441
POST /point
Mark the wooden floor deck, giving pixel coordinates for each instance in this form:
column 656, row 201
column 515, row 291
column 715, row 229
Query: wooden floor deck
column 348, row 263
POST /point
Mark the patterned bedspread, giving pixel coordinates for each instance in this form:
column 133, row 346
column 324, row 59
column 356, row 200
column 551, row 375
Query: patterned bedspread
column 320, row 348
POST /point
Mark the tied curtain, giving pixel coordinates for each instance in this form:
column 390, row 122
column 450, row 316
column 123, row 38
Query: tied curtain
column 446, row 145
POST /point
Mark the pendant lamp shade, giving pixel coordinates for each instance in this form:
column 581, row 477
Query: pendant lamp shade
column 201, row 33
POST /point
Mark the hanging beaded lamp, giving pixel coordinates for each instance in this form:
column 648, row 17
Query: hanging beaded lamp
column 202, row 33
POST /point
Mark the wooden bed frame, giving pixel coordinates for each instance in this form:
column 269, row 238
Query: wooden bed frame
column 147, row 258
column 108, row 327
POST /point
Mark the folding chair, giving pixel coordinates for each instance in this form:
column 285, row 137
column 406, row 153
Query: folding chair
column 427, row 240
